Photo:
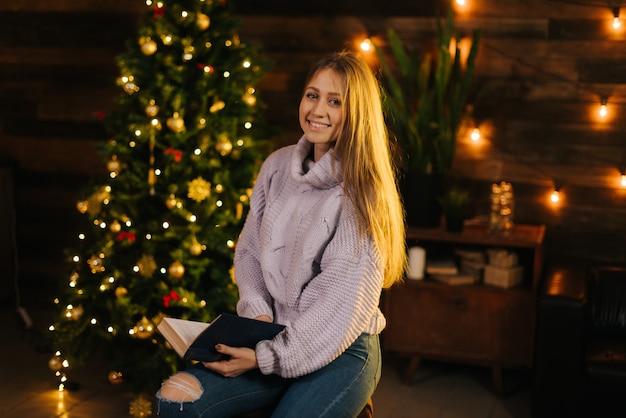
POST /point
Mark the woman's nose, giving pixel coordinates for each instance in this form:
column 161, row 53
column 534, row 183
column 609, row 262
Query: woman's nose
column 319, row 108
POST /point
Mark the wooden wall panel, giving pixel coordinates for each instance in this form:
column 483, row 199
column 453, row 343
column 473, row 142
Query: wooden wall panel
column 544, row 66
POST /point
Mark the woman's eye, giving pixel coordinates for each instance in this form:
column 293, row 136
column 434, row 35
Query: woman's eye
column 311, row 96
column 335, row 102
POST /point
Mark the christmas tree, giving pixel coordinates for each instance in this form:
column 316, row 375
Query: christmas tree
column 186, row 144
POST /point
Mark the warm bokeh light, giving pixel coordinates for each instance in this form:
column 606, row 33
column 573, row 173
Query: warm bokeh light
column 366, row 45
column 616, row 23
column 555, row 196
column 475, row 135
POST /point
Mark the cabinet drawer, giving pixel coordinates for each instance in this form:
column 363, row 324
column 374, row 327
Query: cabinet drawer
column 477, row 324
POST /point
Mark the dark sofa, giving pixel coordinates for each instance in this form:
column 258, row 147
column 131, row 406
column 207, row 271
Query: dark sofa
column 580, row 357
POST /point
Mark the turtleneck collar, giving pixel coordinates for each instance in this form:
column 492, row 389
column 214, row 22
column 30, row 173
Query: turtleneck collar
column 318, row 174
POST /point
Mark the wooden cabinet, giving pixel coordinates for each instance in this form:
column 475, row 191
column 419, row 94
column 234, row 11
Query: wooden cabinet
column 478, row 324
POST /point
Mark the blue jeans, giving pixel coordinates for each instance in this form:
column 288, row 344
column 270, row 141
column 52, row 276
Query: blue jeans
column 340, row 389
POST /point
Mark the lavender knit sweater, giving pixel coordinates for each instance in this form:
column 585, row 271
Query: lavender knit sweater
column 301, row 261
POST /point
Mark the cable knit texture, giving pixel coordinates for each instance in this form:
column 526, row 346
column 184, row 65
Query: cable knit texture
column 301, row 260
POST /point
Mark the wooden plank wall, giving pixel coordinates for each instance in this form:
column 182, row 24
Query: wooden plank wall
column 544, row 66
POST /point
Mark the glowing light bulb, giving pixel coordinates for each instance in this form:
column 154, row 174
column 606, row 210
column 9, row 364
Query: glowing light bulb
column 616, row 23
column 460, row 2
column 555, row 196
column 623, row 180
column 366, row 45
column 475, row 135
column 603, row 110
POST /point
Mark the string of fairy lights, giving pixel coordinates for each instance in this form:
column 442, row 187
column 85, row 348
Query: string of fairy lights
column 603, row 110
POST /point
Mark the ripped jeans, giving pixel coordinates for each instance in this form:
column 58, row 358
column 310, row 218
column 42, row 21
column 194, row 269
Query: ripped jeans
column 340, row 389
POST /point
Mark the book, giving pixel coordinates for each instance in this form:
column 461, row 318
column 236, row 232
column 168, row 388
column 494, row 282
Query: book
column 194, row 340
column 441, row 266
column 455, row 279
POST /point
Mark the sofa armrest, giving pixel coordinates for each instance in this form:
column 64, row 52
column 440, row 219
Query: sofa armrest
column 565, row 282
column 559, row 342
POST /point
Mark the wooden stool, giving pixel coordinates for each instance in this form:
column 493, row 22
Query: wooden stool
column 367, row 412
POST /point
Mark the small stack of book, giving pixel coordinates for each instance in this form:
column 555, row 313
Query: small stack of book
column 472, row 262
column 445, row 270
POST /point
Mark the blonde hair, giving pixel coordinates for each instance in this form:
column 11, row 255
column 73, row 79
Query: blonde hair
column 363, row 151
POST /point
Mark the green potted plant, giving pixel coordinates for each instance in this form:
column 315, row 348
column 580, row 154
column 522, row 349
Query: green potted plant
column 427, row 97
column 455, row 205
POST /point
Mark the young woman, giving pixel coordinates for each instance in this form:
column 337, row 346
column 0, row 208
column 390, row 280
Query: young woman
column 324, row 235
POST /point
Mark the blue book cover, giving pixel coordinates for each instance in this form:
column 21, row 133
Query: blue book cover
column 229, row 329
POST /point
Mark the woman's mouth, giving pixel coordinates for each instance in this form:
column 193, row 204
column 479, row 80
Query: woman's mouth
column 318, row 125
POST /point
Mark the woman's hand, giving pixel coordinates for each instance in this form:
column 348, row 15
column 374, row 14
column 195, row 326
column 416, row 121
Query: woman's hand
column 241, row 360
column 264, row 318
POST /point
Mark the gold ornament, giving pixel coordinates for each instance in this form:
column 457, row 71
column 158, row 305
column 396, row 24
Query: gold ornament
column 199, row 189
column 166, row 39
column 146, row 265
column 120, row 292
column 82, row 206
column 115, row 226
column 55, row 363
column 223, row 146
column 176, row 270
column 176, row 123
column 171, row 202
column 239, row 210
column 196, row 248
column 143, row 329
column 217, row 106
column 152, row 177
column 140, row 407
column 94, row 202
column 152, row 109
column 203, row 21
column 95, row 263
column 249, row 99
column 115, row 378
column 128, row 83
column 114, row 165
column 148, row 46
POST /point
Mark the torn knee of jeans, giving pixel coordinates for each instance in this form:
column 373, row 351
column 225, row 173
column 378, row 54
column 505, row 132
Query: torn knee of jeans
column 181, row 387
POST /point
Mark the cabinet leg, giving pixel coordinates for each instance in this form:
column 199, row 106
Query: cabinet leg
column 496, row 372
column 411, row 369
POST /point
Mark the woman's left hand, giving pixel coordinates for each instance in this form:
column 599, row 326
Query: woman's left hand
column 241, row 360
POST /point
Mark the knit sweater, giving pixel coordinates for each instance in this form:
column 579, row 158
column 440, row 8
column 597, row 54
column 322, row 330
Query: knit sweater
column 301, row 260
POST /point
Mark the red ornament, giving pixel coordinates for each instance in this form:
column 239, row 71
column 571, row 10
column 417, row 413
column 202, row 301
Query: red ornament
column 130, row 236
column 99, row 114
column 158, row 12
column 206, row 68
column 168, row 298
column 178, row 154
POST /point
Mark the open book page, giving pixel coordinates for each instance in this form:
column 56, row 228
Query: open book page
column 180, row 333
column 194, row 340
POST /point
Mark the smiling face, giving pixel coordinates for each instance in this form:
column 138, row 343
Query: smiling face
column 321, row 114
